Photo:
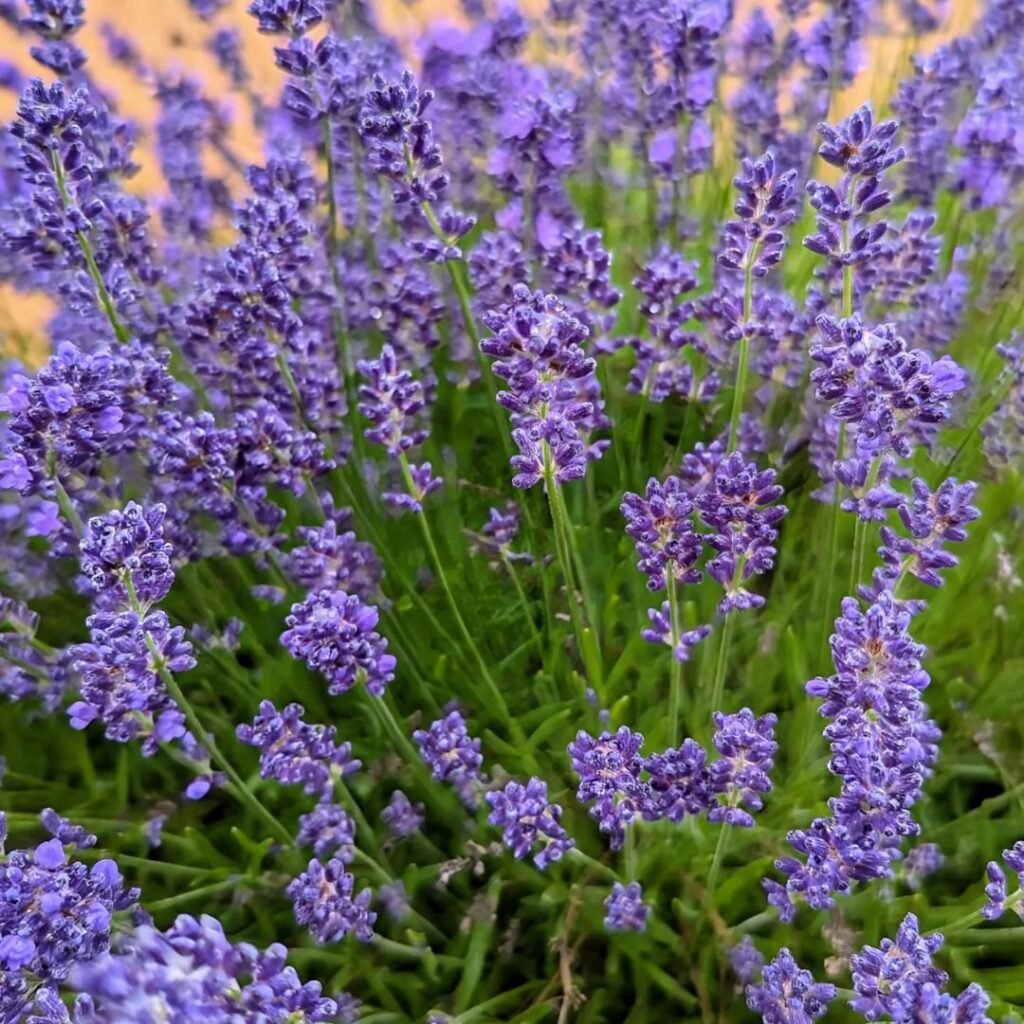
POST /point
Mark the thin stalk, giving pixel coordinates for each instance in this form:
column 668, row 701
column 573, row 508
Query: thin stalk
column 718, row 685
column 67, row 507
column 527, row 611
column 833, row 543
column 860, row 530
column 428, row 538
column 742, row 365
column 716, row 860
column 187, row 897
column 675, row 682
column 975, row 917
column 238, row 786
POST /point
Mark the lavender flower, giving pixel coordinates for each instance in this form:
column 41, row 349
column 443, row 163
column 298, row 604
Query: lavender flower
column 526, row 818
column 332, row 632
column 400, row 140
column 680, row 783
column 68, row 833
column 287, row 17
column 56, row 913
column 295, row 753
column 1014, row 857
column 995, row 892
column 746, row 960
column 765, row 206
column 660, row 523
column 739, row 506
column 401, row 816
column 933, row 520
column 660, row 632
column 1004, row 428
column 609, row 770
column 329, row 830
column 787, row 994
column 192, row 971
column 738, row 778
column 625, row 910
column 452, row 755
column 892, row 980
column 324, row 901
column 333, row 558
column 922, row 861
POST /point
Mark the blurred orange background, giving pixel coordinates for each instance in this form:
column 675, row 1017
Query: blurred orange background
column 172, row 39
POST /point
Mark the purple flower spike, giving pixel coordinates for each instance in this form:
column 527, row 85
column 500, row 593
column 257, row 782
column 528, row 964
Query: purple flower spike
column 787, row 994
column 890, row 980
column 526, row 817
column 452, row 755
column 609, row 770
column 680, row 783
column 740, row 775
column 287, row 17
column 333, row 633
column 860, row 146
column 661, row 525
column 329, row 830
column 401, row 816
column 764, row 207
column 746, row 960
column 324, row 901
column 391, row 399
column 995, row 892
column 739, row 505
column 660, row 632
column 1014, row 857
column 625, row 910
column 295, row 753
column 126, row 548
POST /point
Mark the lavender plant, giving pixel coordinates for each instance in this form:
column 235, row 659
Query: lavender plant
column 456, row 571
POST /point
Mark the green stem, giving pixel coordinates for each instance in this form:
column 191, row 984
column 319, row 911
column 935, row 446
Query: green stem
column 742, row 365
column 238, row 786
column 187, row 897
column 827, row 609
column 428, row 539
column 860, row 530
column 67, row 507
column 527, row 611
column 716, row 861
column 976, row 916
column 675, row 685
column 718, row 686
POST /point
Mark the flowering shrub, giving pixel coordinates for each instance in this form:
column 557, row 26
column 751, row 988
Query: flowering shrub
column 455, row 571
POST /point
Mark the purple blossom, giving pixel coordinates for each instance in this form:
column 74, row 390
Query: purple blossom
column 890, row 980
column 452, row 755
column 1014, row 857
column 329, row 830
column 680, row 783
column 325, row 902
column 401, row 816
column 625, row 910
column 527, row 817
column 68, row 833
column 661, row 525
column 787, row 994
column 739, row 506
column 1004, row 428
column 932, row 519
column 333, row 633
column 296, row 753
column 56, row 913
column 395, row 900
column 609, row 770
column 660, row 632
column 740, row 775
column 391, row 399
column 192, row 971
column 746, row 960
column 287, row 17
column 400, row 141
column 995, row 892
column 125, row 557
column 922, row 861
column 764, row 207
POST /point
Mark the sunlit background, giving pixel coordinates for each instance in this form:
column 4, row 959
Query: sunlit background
column 172, row 42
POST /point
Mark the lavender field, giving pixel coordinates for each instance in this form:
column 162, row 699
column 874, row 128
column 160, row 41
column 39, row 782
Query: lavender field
column 512, row 516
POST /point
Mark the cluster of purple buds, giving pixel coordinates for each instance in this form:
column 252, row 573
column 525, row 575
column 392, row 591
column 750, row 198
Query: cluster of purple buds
column 882, row 749
column 527, row 818
column 329, row 830
column 537, row 349
column 498, row 533
column 661, row 368
column 863, row 150
column 661, row 524
column 765, row 205
column 400, row 142
column 888, row 394
column 333, row 633
column 401, row 816
column 56, row 913
column 296, row 753
column 452, row 755
column 625, row 910
column 788, row 994
column 899, row 981
column 739, row 506
column 996, row 898
column 391, row 399
column 287, row 17
column 621, row 784
column 192, row 971
column 325, row 902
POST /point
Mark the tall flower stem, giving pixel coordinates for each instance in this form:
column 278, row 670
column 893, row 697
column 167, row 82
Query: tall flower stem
column 716, row 860
column 718, row 685
column 675, row 682
column 976, row 916
column 428, row 539
column 860, row 529
column 742, row 365
column 584, row 638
